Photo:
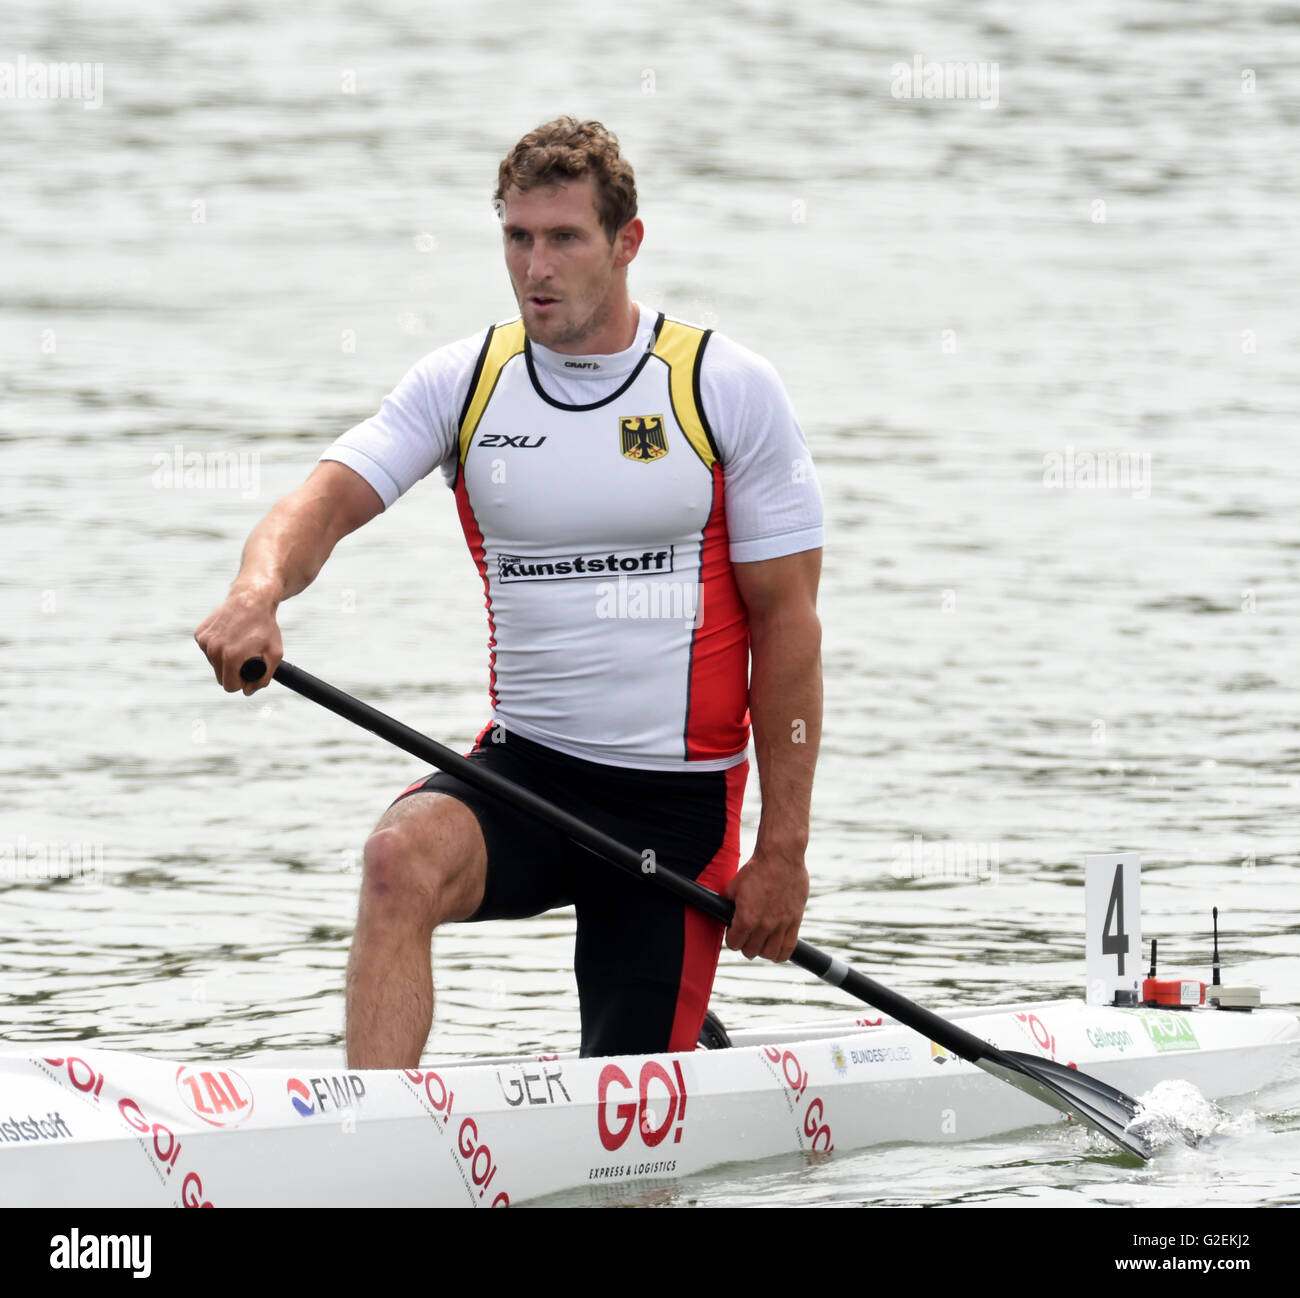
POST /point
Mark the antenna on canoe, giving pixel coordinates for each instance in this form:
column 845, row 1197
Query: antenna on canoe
column 1215, row 913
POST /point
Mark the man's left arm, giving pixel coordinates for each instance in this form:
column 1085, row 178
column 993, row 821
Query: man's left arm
column 785, row 705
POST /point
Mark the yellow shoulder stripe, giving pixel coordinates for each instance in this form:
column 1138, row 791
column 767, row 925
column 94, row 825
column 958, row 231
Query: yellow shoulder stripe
column 507, row 341
column 679, row 345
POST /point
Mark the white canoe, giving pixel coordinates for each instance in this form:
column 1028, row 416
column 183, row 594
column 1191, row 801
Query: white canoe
column 89, row 1128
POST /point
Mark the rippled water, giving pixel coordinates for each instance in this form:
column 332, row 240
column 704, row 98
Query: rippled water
column 273, row 214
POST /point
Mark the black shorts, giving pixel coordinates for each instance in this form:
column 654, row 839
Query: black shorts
column 643, row 960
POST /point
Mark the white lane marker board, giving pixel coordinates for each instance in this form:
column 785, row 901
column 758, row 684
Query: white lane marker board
column 1112, row 887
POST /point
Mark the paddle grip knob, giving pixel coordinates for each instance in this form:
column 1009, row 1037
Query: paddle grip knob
column 253, row 670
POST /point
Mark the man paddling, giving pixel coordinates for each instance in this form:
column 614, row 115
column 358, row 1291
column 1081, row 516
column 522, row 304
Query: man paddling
column 639, row 502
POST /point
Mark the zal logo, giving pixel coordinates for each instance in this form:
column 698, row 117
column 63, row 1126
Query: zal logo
column 643, row 438
column 219, row 1096
column 522, row 440
column 638, row 1107
column 333, row 1092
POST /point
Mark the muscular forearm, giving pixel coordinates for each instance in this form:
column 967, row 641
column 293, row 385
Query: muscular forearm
column 286, row 551
column 281, row 558
column 785, row 704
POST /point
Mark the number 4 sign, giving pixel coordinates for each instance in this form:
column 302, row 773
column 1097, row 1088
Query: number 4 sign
column 1113, row 909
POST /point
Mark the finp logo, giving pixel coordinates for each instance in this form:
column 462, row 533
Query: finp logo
column 300, row 1097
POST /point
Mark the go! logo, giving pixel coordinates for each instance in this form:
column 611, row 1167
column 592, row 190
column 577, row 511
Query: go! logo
column 795, row 1076
column 476, row 1156
column 637, row 1107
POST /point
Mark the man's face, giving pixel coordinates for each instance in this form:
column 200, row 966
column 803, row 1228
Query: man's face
column 564, row 270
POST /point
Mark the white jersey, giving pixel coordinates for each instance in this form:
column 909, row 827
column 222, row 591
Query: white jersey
column 604, row 500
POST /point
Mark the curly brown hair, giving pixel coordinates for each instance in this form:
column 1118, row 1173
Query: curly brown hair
column 567, row 149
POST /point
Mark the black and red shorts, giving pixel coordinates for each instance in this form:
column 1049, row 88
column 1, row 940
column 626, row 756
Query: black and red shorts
column 644, row 961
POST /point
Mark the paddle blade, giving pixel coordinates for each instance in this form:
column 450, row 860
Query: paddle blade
column 1087, row 1099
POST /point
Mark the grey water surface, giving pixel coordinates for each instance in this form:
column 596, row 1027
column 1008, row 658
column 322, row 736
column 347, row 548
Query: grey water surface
column 1040, row 330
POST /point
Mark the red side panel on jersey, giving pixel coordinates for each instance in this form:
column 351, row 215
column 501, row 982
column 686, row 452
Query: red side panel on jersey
column 717, row 701
column 474, row 539
column 704, row 935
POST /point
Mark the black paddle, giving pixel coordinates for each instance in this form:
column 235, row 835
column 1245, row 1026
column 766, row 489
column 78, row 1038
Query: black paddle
column 1093, row 1102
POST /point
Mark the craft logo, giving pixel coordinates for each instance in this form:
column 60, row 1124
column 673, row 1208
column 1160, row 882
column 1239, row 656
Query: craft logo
column 643, row 438
column 1170, row 1032
column 622, row 1107
column 220, row 1098
column 567, row 567
column 837, row 1058
column 333, row 1092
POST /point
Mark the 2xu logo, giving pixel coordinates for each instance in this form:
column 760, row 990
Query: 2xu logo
column 505, row 439
column 796, row 1078
column 165, row 1145
column 475, row 1156
column 654, row 1083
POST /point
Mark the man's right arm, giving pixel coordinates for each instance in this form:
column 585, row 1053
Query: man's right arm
column 282, row 557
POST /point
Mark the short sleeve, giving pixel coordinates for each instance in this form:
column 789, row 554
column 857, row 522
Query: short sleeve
column 773, row 498
column 414, row 430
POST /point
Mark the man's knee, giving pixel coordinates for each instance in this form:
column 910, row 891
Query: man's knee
column 425, row 863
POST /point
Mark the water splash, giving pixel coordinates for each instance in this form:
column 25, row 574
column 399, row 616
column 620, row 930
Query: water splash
column 1175, row 1112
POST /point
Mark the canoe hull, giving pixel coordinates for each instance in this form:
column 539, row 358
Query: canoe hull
column 89, row 1128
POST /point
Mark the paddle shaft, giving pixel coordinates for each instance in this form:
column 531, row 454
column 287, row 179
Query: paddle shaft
column 817, row 962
